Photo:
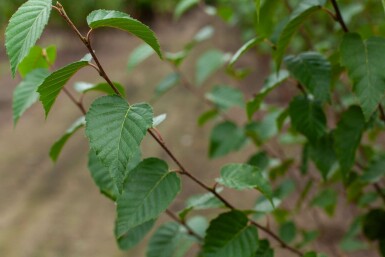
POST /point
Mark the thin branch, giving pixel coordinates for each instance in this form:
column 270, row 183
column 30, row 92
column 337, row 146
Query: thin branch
column 379, row 190
column 184, row 171
column 72, row 98
column 184, row 224
column 338, row 16
column 87, row 43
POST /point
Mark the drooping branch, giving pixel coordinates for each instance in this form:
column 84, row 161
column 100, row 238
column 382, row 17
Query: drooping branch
column 184, row 171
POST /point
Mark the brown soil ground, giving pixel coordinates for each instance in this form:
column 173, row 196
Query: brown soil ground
column 53, row 210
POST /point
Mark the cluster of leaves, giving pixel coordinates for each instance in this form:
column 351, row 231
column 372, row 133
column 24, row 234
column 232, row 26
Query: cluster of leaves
column 336, row 118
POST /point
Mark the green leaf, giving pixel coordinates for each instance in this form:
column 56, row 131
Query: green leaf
column 264, row 249
column 207, row 64
column 375, row 171
column 134, row 235
column 84, row 87
column 201, row 202
column 327, row 200
column 102, row 177
column 323, row 155
column 260, row 160
column 206, row 116
column 58, row 145
column 230, row 235
column 347, row 138
column 159, row 120
column 244, row 176
column 287, row 232
column 170, row 81
column 148, row 191
column 313, row 71
column 25, row 94
column 225, row 137
column 203, row 34
column 381, row 245
column 25, row 28
column 115, row 130
column 246, row 47
column 37, row 58
column 170, row 240
column 273, row 81
column 374, row 225
column 123, row 21
column 183, row 6
column 365, row 69
column 258, row 8
column 308, row 118
column 226, row 97
column 262, row 130
column 300, row 14
column 54, row 83
column 138, row 55
column 383, row 4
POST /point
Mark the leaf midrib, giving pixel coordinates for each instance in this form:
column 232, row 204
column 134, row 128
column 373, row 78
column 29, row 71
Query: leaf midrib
column 30, row 29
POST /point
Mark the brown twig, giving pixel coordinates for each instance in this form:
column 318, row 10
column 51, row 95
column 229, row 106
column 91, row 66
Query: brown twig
column 338, row 16
column 379, row 190
column 77, row 103
column 184, row 224
column 87, row 42
column 184, row 171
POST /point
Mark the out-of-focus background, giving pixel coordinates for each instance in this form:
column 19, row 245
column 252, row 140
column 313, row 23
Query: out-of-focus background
column 53, row 210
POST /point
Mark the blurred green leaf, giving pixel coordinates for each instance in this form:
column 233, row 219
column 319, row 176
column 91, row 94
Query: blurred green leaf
column 183, row 6
column 259, row 160
column 207, row 64
column 139, row 55
column 59, row 144
column 226, row 97
column 206, row 116
column 246, row 47
column 264, row 249
column 374, row 224
column 288, row 232
column 327, row 200
column 225, row 137
column 170, row 81
column 84, row 87
column 25, row 95
column 347, row 138
column 375, row 171
column 37, row 58
column 323, row 154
